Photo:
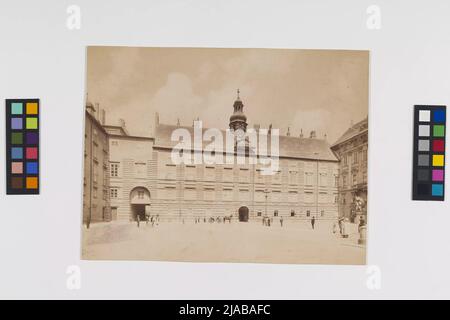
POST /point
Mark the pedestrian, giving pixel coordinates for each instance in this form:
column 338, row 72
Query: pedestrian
column 281, row 221
column 334, row 227
column 362, row 222
column 344, row 234
column 138, row 220
column 340, row 225
column 313, row 221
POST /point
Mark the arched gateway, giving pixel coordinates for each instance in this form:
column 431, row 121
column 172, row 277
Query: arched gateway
column 243, row 214
column 139, row 202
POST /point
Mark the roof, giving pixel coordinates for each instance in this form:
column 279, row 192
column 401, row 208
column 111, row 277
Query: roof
column 290, row 147
column 353, row 131
column 122, row 130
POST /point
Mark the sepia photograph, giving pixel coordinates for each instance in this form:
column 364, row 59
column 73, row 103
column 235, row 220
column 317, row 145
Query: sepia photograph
column 226, row 155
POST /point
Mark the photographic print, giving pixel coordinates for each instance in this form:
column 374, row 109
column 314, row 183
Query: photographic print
column 226, row 155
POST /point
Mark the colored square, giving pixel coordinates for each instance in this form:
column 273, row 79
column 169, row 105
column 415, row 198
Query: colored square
column 31, row 138
column 32, row 183
column 32, row 108
column 424, row 145
column 16, row 153
column 437, row 190
column 438, row 130
column 16, row 167
column 31, row 153
column 423, row 160
column 32, row 123
column 32, row 168
column 16, row 108
column 424, row 115
column 17, row 138
column 438, row 160
column 438, row 145
column 16, row 182
column 424, row 131
column 16, row 123
column 423, row 175
column 439, row 116
column 438, row 175
column 423, row 189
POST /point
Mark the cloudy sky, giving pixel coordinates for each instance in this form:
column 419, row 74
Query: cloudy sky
column 322, row 90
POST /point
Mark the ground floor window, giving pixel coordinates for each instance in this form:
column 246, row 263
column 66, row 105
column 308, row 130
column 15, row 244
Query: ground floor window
column 292, row 213
column 308, row 213
column 322, row 213
column 258, row 213
column 275, row 213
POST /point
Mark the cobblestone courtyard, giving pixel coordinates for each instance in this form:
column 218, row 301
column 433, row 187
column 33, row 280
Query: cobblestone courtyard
column 223, row 242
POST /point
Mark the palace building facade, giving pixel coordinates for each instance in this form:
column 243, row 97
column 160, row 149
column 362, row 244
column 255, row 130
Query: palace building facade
column 144, row 180
column 351, row 149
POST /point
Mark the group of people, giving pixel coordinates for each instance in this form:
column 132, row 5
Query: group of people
column 147, row 219
column 341, row 224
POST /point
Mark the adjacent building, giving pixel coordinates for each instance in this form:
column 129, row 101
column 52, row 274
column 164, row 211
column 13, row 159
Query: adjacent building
column 96, row 205
column 351, row 149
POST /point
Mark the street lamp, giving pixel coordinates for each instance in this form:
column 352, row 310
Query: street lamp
column 266, row 195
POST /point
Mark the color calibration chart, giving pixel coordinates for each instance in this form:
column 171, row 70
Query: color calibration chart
column 429, row 152
column 22, row 146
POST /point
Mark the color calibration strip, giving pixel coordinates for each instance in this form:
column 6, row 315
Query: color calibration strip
column 429, row 152
column 22, row 146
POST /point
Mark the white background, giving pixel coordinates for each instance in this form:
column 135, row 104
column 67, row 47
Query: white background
column 40, row 57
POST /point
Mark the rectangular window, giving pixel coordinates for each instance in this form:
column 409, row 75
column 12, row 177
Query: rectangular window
column 323, row 179
column 140, row 169
column 113, row 193
column 309, row 178
column 114, row 169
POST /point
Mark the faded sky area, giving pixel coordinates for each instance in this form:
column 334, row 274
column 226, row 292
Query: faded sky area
column 322, row 90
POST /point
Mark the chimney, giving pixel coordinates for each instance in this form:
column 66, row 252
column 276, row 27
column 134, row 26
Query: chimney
column 301, row 133
column 97, row 111
column 103, row 119
column 156, row 119
column 122, row 123
column 178, row 122
column 288, row 133
column 270, row 129
column 312, row 135
column 256, row 127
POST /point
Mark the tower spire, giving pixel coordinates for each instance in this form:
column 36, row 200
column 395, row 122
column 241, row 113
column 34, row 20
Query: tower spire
column 238, row 120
